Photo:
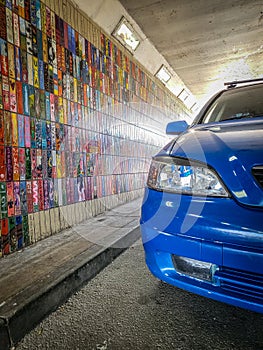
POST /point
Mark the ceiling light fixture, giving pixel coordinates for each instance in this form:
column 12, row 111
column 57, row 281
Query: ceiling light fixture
column 163, row 74
column 127, row 36
column 183, row 95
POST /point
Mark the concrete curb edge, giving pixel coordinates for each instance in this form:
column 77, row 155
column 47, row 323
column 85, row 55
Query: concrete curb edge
column 38, row 308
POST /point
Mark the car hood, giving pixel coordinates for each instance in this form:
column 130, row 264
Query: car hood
column 232, row 148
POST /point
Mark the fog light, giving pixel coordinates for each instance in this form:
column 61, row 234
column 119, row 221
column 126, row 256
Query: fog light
column 194, row 268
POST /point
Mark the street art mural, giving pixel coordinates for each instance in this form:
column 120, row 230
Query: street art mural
column 73, row 118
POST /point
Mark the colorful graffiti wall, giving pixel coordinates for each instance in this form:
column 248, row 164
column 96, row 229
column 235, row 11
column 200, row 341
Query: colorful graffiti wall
column 77, row 122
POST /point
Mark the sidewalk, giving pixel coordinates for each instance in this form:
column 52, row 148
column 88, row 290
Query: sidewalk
column 35, row 281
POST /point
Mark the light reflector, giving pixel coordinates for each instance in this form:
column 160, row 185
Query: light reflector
column 163, row 74
column 125, row 33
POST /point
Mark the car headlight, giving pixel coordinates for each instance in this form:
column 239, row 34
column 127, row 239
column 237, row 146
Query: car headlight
column 184, row 176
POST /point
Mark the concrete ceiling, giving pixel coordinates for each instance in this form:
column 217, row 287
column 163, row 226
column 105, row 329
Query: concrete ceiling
column 206, row 42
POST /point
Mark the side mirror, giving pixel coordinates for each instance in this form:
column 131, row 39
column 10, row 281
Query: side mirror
column 176, row 128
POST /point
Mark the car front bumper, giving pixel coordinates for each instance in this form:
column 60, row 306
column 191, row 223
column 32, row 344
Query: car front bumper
column 217, row 231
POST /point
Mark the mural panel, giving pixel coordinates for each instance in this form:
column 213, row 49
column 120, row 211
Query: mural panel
column 76, row 122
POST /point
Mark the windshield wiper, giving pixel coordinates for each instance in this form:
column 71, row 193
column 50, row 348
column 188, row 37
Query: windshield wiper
column 240, row 116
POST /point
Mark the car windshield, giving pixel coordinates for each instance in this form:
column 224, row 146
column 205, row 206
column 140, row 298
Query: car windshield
column 244, row 102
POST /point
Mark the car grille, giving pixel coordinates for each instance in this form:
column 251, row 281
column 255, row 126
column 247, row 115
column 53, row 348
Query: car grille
column 242, row 284
column 257, row 171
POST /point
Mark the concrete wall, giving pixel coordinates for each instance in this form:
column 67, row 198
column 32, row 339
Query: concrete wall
column 79, row 120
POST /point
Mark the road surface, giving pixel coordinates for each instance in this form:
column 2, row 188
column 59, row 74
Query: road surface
column 126, row 308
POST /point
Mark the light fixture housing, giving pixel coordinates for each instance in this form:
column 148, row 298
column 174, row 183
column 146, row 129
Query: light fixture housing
column 183, row 95
column 163, row 74
column 126, row 35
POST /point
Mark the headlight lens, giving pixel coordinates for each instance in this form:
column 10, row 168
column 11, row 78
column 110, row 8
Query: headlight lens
column 184, row 176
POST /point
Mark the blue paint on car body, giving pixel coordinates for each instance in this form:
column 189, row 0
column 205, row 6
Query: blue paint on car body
column 202, row 213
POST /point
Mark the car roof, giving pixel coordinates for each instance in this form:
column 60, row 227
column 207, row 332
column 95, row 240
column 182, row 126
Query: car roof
column 240, row 83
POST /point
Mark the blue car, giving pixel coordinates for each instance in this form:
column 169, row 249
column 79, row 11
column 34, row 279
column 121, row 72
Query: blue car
column 202, row 213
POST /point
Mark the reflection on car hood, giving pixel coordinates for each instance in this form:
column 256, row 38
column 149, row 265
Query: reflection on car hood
column 232, row 148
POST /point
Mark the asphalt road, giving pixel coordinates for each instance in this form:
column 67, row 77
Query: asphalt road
column 125, row 307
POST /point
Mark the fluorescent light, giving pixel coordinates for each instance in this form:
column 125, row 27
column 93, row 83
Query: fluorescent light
column 189, row 101
column 126, row 34
column 183, row 95
column 163, row 74
column 195, row 107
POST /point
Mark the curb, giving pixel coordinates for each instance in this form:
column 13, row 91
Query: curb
column 16, row 325
column 4, row 336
